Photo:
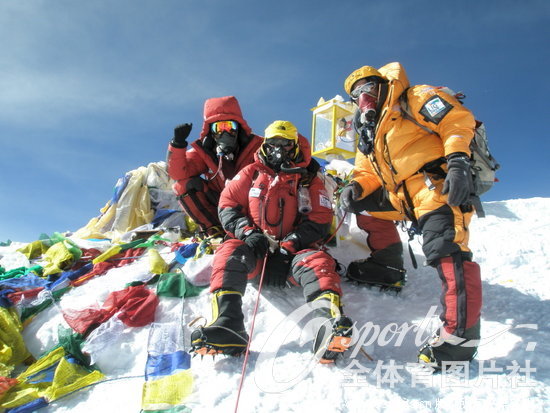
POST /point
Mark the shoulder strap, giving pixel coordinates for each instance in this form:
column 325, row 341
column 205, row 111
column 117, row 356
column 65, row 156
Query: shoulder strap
column 407, row 113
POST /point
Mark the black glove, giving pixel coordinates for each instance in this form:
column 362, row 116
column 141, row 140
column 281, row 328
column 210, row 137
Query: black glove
column 458, row 181
column 277, row 268
column 349, row 194
column 258, row 242
column 181, row 133
column 291, row 243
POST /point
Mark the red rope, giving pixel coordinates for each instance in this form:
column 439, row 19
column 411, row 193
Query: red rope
column 247, row 352
column 336, row 230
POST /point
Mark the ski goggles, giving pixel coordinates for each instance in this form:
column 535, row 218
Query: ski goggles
column 286, row 144
column 229, row 126
column 370, row 88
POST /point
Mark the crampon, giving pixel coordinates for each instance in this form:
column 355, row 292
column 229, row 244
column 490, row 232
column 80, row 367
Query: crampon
column 395, row 287
column 200, row 344
column 372, row 274
column 328, row 346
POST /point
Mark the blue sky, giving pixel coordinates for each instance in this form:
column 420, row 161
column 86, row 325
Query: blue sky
column 90, row 90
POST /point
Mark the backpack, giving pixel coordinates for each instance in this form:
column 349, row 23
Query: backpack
column 483, row 165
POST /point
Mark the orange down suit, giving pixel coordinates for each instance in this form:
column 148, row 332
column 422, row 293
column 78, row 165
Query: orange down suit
column 401, row 150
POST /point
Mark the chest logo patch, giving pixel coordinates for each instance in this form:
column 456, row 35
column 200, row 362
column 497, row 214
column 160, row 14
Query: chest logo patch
column 325, row 202
column 254, row 192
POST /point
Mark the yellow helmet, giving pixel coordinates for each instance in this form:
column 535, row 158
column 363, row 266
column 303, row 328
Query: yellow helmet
column 282, row 129
column 361, row 73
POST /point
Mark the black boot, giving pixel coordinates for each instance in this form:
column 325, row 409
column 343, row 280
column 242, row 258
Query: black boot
column 384, row 268
column 334, row 334
column 453, row 349
column 226, row 333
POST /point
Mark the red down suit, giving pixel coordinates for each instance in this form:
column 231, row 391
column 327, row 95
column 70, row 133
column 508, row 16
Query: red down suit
column 199, row 173
column 259, row 197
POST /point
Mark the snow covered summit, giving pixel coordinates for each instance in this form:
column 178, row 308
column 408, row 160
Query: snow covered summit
column 511, row 371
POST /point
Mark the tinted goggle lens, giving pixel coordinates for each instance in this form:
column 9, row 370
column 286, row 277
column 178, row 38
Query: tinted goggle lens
column 229, row 126
column 369, row 87
column 286, row 144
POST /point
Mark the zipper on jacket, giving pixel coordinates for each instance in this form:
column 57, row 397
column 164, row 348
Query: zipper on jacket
column 376, row 167
column 281, row 210
column 388, row 156
column 386, row 151
column 281, row 203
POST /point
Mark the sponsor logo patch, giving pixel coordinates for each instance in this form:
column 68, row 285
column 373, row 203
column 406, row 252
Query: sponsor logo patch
column 435, row 109
column 254, row 192
column 325, row 202
column 435, row 106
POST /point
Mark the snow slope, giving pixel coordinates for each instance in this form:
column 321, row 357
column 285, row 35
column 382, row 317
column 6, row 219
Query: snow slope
column 511, row 372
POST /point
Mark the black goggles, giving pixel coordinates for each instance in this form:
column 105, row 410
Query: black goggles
column 286, row 144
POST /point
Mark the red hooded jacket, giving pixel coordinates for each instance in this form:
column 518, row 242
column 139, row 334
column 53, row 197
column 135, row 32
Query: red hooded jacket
column 200, row 158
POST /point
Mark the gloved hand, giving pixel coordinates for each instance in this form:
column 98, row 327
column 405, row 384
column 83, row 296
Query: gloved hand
column 349, row 194
column 258, row 242
column 277, row 268
column 291, row 243
column 458, row 181
column 181, row 133
column 195, row 184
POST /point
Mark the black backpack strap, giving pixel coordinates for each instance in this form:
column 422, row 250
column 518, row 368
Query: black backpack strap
column 414, row 229
column 407, row 113
column 476, row 202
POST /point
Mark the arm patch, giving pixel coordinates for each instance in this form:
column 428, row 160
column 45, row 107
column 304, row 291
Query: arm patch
column 435, row 109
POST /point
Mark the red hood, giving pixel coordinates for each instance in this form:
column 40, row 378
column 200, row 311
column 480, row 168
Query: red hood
column 224, row 108
column 305, row 150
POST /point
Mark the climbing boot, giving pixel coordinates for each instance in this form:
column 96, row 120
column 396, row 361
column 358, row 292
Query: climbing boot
column 383, row 269
column 439, row 350
column 226, row 333
column 334, row 335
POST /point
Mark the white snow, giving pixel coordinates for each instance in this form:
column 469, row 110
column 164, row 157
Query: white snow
column 512, row 245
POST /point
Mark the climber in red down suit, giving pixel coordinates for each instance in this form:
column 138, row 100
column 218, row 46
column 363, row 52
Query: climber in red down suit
column 261, row 212
column 225, row 145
